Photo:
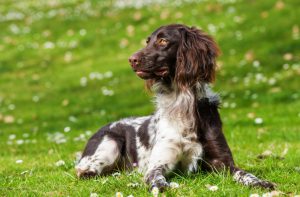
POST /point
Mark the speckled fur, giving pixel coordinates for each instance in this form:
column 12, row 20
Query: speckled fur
column 172, row 138
column 185, row 132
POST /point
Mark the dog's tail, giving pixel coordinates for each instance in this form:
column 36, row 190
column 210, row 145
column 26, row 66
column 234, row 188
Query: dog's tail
column 249, row 179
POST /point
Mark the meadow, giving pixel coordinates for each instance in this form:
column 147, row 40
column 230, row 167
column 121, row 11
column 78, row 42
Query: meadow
column 64, row 73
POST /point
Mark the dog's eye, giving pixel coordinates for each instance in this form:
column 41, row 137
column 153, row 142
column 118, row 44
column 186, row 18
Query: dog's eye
column 162, row 41
column 148, row 40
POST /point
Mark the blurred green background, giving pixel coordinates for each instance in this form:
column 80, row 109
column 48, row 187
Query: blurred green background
column 65, row 73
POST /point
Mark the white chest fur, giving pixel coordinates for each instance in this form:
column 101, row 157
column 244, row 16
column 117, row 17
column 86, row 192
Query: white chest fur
column 175, row 140
column 174, row 135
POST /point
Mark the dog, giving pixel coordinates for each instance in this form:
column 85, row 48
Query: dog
column 185, row 132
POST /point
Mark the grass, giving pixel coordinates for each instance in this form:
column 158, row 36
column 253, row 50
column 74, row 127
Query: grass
column 51, row 53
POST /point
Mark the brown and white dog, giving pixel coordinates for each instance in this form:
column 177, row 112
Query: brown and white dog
column 185, row 132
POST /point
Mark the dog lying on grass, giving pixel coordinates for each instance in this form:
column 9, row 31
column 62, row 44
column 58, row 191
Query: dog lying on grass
column 185, row 132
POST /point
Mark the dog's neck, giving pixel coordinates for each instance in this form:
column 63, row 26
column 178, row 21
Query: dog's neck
column 178, row 105
column 163, row 88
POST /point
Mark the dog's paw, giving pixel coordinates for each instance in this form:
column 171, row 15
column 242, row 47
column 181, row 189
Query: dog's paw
column 265, row 185
column 159, row 183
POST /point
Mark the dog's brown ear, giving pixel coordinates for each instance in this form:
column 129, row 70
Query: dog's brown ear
column 196, row 58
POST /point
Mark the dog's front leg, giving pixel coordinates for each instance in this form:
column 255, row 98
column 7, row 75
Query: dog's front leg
column 163, row 159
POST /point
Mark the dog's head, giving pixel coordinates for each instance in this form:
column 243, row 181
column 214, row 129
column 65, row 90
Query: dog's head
column 185, row 55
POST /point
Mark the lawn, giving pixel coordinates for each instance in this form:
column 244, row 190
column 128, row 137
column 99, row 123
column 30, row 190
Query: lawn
column 65, row 73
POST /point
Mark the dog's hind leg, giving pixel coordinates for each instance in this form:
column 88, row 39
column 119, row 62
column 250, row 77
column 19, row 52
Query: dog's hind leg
column 103, row 159
column 215, row 162
column 217, row 154
column 249, row 179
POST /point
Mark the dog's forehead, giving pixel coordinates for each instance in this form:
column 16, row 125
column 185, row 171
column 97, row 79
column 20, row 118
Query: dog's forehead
column 169, row 30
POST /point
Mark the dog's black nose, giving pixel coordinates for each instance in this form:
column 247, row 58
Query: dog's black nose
column 134, row 60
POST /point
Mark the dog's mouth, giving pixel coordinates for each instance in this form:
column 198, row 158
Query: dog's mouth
column 158, row 73
column 143, row 74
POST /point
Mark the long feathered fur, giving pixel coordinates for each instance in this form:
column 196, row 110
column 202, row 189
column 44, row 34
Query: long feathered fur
column 185, row 132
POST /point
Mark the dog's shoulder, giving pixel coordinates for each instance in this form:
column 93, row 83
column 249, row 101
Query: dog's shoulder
column 206, row 96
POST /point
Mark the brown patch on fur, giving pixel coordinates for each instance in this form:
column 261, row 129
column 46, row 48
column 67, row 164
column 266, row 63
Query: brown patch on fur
column 189, row 58
column 196, row 58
